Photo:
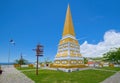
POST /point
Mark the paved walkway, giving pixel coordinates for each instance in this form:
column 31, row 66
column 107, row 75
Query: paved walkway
column 12, row 75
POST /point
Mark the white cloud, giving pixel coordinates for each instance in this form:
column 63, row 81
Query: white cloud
column 111, row 40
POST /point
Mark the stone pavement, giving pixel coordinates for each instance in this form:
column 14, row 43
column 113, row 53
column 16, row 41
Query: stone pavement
column 12, row 75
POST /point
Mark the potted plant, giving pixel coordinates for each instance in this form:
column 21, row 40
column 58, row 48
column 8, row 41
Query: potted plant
column 0, row 70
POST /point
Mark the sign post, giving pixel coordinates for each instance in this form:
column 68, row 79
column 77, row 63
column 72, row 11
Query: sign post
column 39, row 52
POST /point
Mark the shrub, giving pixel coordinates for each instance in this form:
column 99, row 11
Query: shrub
column 31, row 65
column 111, row 65
column 16, row 65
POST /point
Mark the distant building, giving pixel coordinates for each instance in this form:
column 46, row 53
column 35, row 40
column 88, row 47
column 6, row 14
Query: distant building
column 68, row 54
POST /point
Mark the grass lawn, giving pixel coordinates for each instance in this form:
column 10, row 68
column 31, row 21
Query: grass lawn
column 85, row 76
column 111, row 68
column 25, row 68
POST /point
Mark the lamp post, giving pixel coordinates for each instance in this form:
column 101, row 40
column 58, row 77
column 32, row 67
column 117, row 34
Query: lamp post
column 39, row 52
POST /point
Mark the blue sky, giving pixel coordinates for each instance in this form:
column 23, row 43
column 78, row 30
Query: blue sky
column 29, row 22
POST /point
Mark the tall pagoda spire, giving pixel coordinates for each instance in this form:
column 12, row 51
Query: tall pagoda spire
column 68, row 53
column 68, row 25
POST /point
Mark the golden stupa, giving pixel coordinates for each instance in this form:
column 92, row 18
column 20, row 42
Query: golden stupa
column 68, row 54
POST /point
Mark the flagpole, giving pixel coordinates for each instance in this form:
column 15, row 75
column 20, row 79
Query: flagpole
column 9, row 55
column 10, row 42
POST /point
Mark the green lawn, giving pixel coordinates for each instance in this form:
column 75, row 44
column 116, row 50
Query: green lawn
column 25, row 68
column 111, row 68
column 51, row 76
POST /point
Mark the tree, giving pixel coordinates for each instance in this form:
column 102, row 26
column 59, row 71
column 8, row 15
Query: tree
column 85, row 60
column 113, row 56
column 21, row 61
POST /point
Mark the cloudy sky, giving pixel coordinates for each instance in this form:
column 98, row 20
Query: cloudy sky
column 111, row 40
column 29, row 22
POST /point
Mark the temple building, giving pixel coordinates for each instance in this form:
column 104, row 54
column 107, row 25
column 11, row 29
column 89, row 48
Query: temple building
column 68, row 53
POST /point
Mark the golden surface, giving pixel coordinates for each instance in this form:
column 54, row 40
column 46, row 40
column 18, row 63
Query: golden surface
column 68, row 40
column 68, row 25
